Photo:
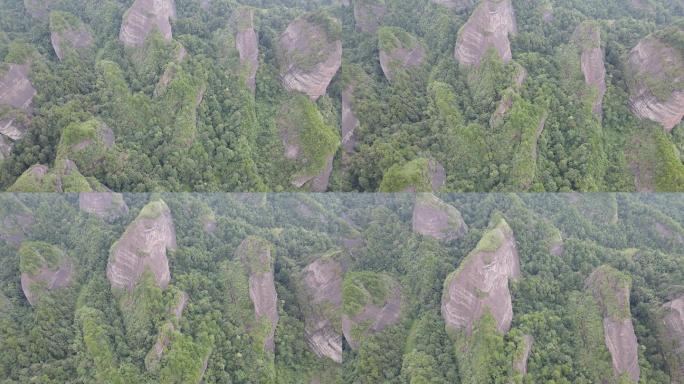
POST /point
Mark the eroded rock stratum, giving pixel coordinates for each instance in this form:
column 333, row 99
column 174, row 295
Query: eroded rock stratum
column 673, row 323
column 247, row 44
column 488, row 27
column 480, row 284
column 587, row 37
column 432, row 217
column 143, row 247
column 144, row 17
column 67, row 32
column 16, row 95
column 399, row 50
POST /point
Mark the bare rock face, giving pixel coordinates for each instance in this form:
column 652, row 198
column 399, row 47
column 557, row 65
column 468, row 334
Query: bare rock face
column 68, row 32
column 398, row 50
column 15, row 219
column 368, row 14
column 349, row 121
column 454, row 4
column 488, row 27
column 143, row 245
column 480, row 283
column 657, row 86
column 310, row 54
column 371, row 303
column 587, row 37
column 44, row 268
column 673, row 322
column 520, row 364
column 143, row 17
column 5, row 147
column 323, row 283
column 255, row 254
column 247, row 44
column 107, row 205
column 432, row 217
column 16, row 92
column 611, row 289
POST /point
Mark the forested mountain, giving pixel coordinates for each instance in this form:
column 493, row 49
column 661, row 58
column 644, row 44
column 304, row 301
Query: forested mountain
column 341, row 288
column 349, row 95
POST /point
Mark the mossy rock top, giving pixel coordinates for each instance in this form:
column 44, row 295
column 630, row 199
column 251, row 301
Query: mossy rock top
column 35, row 255
column 360, row 289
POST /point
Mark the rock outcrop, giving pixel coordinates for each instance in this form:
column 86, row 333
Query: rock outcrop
column 673, row 339
column 520, row 364
column 255, row 254
column 349, row 121
column 399, row 50
column 16, row 95
column 657, row 85
column 64, row 177
column 105, row 204
column 418, row 175
column 480, row 284
column 44, row 268
column 587, row 37
column 457, row 5
column 144, row 17
column 310, row 54
column 86, row 143
column 610, row 289
column 371, row 303
column 68, row 32
column 368, row 14
column 488, row 27
column 432, row 217
column 143, row 247
column 247, row 44
column 323, row 286
column 15, row 219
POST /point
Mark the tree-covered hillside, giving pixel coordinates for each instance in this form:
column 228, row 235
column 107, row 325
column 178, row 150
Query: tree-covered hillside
column 340, row 288
column 348, row 95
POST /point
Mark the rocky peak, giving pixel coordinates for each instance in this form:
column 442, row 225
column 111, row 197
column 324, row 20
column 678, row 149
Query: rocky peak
column 44, row 268
column 247, row 44
column 255, row 254
column 371, row 302
column 368, row 14
column 610, row 289
column 432, row 217
column 68, row 32
column 673, row 322
column 16, row 95
column 323, row 285
column 488, row 27
column 657, row 79
column 399, row 50
column 15, row 219
column 587, row 37
column 143, row 246
column 418, row 175
column 145, row 16
column 480, row 284
column 310, row 54
column 105, row 204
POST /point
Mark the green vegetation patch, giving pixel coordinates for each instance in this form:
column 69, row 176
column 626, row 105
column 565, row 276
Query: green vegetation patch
column 411, row 175
column 34, row 255
column 608, row 285
column 62, row 21
column 250, row 252
column 391, row 38
column 493, row 238
column 331, row 26
column 153, row 210
column 363, row 288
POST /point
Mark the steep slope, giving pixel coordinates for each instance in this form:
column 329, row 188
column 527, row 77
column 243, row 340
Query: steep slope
column 488, row 27
column 247, row 44
column 86, row 143
column 15, row 219
column 673, row 338
column 323, row 285
column 67, row 33
column 520, row 364
column 399, row 51
column 44, row 268
column 143, row 246
column 64, row 177
column 16, row 95
column 432, row 217
column 611, row 289
column 657, row 79
column 255, row 254
column 587, row 37
column 105, row 204
column 144, row 17
column 371, row 302
column 310, row 54
column 349, row 120
column 480, row 284
column 368, row 14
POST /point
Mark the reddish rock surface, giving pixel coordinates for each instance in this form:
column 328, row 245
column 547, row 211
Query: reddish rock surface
column 349, row 121
column 432, row 217
column 488, row 26
column 247, row 44
column 16, row 91
column 673, row 323
column 587, row 37
column 143, row 17
column 107, row 205
column 368, row 14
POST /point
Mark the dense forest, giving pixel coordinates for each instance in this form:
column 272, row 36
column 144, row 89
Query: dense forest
column 348, row 95
column 341, row 288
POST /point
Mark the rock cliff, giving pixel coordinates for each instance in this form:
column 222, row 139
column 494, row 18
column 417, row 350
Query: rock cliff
column 44, row 268
column 145, row 16
column 247, row 44
column 520, row 364
column 67, row 32
column 255, row 254
column 587, row 37
column 480, row 284
column 16, row 95
column 673, row 338
column 419, row 175
column 610, row 289
column 105, row 204
column 657, row 81
column 349, row 121
column 310, row 54
column 399, row 50
column 368, row 14
column 432, row 217
column 143, row 246
column 488, row 27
